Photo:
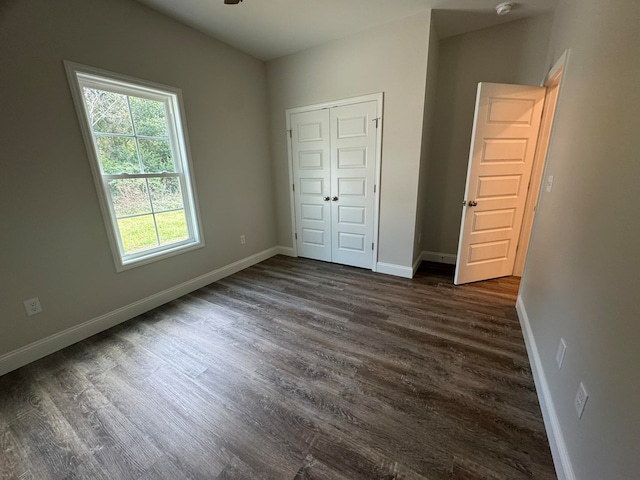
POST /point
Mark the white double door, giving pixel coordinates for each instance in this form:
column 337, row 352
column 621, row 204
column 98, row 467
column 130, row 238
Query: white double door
column 334, row 168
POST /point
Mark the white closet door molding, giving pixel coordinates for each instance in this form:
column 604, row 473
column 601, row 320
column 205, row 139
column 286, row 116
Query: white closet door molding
column 334, row 169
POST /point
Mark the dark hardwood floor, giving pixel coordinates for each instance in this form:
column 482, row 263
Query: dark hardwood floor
column 292, row 369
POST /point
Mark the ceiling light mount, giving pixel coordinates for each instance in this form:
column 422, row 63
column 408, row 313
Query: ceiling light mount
column 232, row 2
column 501, row 9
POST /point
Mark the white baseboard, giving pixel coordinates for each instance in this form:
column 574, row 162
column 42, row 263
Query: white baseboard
column 396, row 270
column 288, row 251
column 41, row 348
column 439, row 257
column 416, row 264
column 561, row 459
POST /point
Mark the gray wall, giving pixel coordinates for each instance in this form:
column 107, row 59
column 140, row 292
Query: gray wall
column 429, row 117
column 509, row 53
column 390, row 59
column 53, row 242
column 581, row 279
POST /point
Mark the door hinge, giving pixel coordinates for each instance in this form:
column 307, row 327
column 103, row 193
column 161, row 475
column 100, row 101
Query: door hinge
column 376, row 120
column 296, row 235
column 374, row 188
column 371, row 245
column 290, row 133
column 294, row 187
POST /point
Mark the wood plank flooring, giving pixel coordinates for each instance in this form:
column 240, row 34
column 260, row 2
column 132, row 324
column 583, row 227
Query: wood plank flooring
column 292, row 369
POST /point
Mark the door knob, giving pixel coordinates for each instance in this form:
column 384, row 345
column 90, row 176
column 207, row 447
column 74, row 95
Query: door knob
column 472, row 203
column 326, row 199
column 335, row 199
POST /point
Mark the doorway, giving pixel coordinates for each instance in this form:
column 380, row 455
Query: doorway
column 511, row 134
column 552, row 83
column 334, row 162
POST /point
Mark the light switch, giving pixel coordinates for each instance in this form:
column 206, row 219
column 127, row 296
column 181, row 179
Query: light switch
column 549, row 183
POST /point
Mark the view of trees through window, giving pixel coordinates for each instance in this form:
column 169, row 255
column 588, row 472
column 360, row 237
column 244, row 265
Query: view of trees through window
column 134, row 150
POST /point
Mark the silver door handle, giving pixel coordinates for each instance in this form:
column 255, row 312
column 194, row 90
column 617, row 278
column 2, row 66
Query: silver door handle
column 473, row 203
column 326, row 199
column 335, row 199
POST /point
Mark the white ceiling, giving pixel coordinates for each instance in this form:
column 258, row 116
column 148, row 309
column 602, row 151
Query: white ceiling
column 268, row 29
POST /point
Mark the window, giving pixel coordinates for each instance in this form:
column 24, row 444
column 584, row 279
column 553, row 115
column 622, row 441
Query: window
column 138, row 150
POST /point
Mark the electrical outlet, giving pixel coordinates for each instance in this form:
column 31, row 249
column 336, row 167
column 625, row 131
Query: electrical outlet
column 32, row 306
column 581, row 399
column 562, row 348
column 243, row 240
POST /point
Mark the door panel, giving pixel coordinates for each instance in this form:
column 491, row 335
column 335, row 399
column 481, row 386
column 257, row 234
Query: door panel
column 334, row 163
column 310, row 143
column 505, row 131
column 353, row 157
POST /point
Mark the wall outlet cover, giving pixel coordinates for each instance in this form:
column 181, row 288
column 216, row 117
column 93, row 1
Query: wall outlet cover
column 581, row 399
column 32, row 306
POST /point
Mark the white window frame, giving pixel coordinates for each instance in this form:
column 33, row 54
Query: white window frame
column 80, row 76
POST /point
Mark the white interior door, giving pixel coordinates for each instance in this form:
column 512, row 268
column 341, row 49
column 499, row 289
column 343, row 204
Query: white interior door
column 310, row 149
column 353, row 169
column 503, row 144
column 333, row 156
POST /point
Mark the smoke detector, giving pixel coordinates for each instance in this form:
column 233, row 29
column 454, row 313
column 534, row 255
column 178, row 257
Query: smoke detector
column 504, row 8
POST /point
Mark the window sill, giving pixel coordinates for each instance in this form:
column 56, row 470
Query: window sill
column 122, row 266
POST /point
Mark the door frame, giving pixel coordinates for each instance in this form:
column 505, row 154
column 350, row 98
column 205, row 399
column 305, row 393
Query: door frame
column 553, row 80
column 379, row 99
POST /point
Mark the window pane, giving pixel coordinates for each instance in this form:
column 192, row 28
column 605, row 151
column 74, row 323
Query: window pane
column 165, row 194
column 149, row 117
column 130, row 196
column 156, row 155
column 118, row 154
column 172, row 227
column 137, row 233
column 108, row 112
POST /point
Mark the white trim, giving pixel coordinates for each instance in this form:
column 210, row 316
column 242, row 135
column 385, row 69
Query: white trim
column 556, row 74
column 439, row 257
column 393, row 269
column 561, row 459
column 416, row 264
column 46, row 346
column 379, row 99
column 534, row 192
column 557, row 70
column 292, row 195
column 376, row 199
column 335, row 103
column 288, row 251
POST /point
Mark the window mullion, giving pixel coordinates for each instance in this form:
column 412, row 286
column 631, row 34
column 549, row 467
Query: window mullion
column 153, row 210
column 144, row 137
column 147, row 213
column 135, row 135
column 126, row 176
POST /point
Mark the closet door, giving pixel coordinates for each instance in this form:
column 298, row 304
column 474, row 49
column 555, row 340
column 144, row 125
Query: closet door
column 310, row 149
column 353, row 159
